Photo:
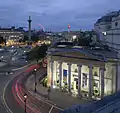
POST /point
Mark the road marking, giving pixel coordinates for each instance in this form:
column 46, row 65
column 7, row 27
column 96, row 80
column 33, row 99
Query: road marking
column 51, row 109
column 20, row 67
column 44, row 99
column 3, row 96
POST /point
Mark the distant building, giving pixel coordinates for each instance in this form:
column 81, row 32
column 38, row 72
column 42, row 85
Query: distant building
column 86, row 72
column 108, row 29
column 12, row 33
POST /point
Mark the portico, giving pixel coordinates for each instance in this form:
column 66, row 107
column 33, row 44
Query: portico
column 81, row 75
column 80, row 79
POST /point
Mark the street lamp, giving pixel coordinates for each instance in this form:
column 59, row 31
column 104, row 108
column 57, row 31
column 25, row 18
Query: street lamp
column 104, row 33
column 25, row 96
column 37, row 61
column 35, row 79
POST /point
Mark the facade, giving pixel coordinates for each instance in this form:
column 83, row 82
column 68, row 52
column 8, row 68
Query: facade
column 83, row 72
column 108, row 28
column 12, row 34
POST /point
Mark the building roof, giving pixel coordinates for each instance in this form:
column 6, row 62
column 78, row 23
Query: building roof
column 108, row 17
column 98, row 53
column 12, row 29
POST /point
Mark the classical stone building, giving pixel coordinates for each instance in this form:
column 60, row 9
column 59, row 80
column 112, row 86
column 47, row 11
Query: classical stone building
column 108, row 29
column 12, row 34
column 90, row 73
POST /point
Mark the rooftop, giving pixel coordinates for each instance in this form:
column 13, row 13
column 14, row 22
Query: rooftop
column 98, row 50
column 108, row 17
column 12, row 29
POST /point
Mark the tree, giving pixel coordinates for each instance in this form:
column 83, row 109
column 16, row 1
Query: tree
column 2, row 40
column 25, row 39
column 34, row 38
column 83, row 41
column 38, row 52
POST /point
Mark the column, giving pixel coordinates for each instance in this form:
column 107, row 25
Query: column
column 69, row 77
column 52, row 75
column 117, row 74
column 60, row 74
column 90, row 82
column 79, row 79
column 102, row 70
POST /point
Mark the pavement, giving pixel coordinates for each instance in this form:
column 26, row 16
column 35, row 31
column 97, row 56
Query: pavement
column 3, row 83
column 2, row 64
column 13, row 97
column 61, row 99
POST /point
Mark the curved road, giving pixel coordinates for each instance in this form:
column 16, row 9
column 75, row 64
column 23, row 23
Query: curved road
column 14, row 97
column 10, row 101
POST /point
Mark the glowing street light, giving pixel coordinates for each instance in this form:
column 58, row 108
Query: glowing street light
column 25, row 97
column 35, row 70
column 104, row 33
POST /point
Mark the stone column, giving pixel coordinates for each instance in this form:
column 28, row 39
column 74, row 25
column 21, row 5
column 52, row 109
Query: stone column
column 90, row 82
column 69, row 77
column 102, row 71
column 117, row 77
column 52, row 75
column 79, row 79
column 29, row 23
column 60, row 74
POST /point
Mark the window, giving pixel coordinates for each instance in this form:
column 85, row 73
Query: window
column 84, row 81
column 116, row 24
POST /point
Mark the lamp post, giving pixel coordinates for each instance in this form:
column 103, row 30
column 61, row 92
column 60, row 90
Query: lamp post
column 104, row 34
column 37, row 61
column 35, row 79
column 112, row 37
column 25, row 96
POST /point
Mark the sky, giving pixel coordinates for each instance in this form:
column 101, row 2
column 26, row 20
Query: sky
column 55, row 15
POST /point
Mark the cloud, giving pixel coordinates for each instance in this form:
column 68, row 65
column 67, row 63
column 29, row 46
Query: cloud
column 55, row 14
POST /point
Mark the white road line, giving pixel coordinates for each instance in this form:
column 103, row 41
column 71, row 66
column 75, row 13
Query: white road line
column 51, row 109
column 20, row 67
column 45, row 101
column 3, row 96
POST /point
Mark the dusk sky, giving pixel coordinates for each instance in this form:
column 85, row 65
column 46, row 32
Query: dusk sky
column 55, row 15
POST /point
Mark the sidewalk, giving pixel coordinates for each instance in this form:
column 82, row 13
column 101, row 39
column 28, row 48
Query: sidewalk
column 57, row 97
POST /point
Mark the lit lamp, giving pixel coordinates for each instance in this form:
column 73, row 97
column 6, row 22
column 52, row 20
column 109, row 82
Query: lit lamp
column 35, row 70
column 104, row 33
column 25, row 97
column 74, row 37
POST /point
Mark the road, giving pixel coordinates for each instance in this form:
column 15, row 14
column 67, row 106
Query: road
column 11, row 101
column 14, row 98
column 4, row 79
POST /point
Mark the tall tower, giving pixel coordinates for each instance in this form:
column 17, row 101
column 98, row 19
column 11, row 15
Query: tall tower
column 29, row 26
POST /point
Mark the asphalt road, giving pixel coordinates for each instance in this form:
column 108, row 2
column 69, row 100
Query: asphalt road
column 14, row 99
column 3, row 81
column 11, row 101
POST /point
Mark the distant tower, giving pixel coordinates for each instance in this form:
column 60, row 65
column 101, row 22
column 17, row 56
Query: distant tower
column 29, row 26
